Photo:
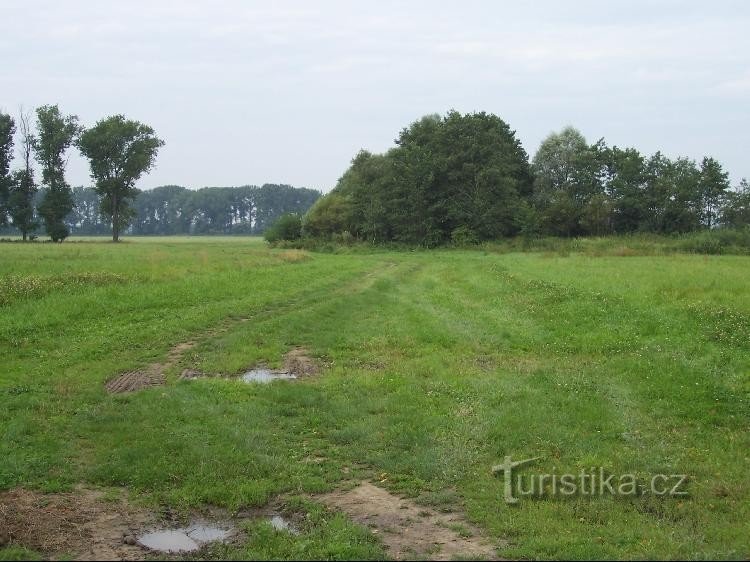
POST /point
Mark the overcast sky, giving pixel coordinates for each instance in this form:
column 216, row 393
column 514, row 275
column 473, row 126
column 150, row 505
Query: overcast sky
column 276, row 92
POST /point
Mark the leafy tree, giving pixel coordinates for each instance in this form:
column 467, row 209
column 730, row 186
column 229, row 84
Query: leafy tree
column 736, row 210
column 288, row 227
column 56, row 133
column 23, row 187
column 567, row 176
column 485, row 174
column 559, row 164
column 713, row 185
column 7, row 130
column 561, row 216
column 623, row 178
column 119, row 152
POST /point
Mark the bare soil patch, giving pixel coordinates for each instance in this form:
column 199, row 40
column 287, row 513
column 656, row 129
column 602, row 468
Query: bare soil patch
column 81, row 524
column 408, row 530
column 134, row 380
column 298, row 362
column 151, row 376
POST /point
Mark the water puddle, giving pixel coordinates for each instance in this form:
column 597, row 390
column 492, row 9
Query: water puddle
column 187, row 539
column 263, row 375
column 168, row 541
column 281, row 524
column 207, row 533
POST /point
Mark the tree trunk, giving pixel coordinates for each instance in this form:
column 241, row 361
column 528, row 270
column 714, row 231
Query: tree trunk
column 115, row 220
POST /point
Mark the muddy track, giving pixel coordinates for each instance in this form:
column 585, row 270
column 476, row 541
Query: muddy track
column 155, row 374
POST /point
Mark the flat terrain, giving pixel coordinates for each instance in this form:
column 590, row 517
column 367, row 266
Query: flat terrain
column 430, row 368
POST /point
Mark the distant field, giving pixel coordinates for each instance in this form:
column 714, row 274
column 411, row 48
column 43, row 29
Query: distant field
column 435, row 365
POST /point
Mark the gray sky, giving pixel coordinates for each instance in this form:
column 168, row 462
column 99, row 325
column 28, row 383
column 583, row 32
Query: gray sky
column 249, row 93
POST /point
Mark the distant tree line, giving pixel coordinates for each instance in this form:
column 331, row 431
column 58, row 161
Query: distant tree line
column 465, row 178
column 172, row 209
column 119, row 152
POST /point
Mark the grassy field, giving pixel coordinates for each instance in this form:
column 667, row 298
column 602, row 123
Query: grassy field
column 437, row 365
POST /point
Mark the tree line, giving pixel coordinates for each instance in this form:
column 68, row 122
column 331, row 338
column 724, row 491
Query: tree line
column 119, row 151
column 464, row 178
column 173, row 209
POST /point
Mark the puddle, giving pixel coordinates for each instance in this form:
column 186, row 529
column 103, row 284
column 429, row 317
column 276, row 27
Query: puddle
column 168, row 541
column 207, row 533
column 281, row 524
column 263, row 375
column 187, row 539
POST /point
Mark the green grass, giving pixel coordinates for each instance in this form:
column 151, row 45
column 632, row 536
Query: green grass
column 438, row 365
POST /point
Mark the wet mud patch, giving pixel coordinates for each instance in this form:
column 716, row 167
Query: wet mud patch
column 192, row 374
column 265, row 375
column 408, row 530
column 83, row 524
column 133, row 381
column 153, row 375
column 298, row 362
column 90, row 525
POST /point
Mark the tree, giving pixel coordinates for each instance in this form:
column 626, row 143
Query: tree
column 556, row 164
column 736, row 210
column 7, row 130
column 566, row 177
column 714, row 183
column 624, row 183
column 119, row 152
column 23, row 188
column 56, row 133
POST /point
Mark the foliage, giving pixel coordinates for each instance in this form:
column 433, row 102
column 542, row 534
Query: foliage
column 459, row 173
column 56, row 133
column 23, row 187
column 119, row 152
column 287, row 227
column 736, row 210
column 7, row 130
column 465, row 179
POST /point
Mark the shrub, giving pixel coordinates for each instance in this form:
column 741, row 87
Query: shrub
column 287, row 227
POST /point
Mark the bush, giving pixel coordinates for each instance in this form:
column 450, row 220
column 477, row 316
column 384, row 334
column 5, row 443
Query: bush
column 288, row 227
column 464, row 236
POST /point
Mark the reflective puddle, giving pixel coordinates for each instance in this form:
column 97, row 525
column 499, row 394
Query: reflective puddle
column 187, row 539
column 264, row 375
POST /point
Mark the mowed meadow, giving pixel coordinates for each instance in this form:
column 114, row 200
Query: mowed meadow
column 435, row 366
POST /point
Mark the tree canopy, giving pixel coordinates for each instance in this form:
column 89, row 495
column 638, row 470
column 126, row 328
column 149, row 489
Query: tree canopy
column 466, row 178
column 56, row 133
column 458, row 175
column 7, row 130
column 120, row 151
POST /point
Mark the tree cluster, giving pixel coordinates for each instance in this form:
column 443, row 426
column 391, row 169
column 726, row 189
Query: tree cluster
column 119, row 151
column 465, row 178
